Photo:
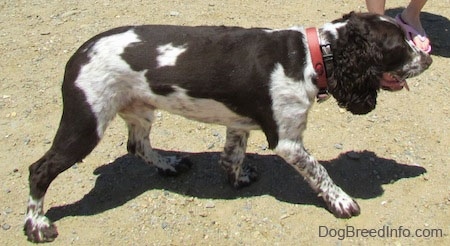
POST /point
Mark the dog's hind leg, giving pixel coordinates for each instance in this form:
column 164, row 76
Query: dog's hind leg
column 338, row 202
column 76, row 137
column 139, row 119
column 232, row 158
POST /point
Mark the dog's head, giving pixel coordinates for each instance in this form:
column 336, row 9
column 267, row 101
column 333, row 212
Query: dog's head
column 371, row 52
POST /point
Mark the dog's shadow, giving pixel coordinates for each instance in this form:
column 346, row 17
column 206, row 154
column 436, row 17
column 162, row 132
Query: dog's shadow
column 437, row 29
column 360, row 174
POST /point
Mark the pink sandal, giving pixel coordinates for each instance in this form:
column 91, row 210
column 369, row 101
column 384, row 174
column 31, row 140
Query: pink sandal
column 411, row 32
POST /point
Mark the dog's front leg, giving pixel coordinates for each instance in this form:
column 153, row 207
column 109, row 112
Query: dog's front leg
column 338, row 202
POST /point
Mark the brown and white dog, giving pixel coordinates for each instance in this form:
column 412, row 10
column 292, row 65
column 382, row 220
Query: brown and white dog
column 244, row 79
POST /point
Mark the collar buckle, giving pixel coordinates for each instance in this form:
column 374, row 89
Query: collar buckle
column 327, row 57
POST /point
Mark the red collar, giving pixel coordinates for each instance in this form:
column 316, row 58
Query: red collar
column 318, row 63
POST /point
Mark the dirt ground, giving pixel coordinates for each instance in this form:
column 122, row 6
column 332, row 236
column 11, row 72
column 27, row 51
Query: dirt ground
column 395, row 160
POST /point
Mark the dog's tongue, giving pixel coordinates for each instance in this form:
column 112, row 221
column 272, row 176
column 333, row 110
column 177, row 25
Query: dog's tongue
column 390, row 83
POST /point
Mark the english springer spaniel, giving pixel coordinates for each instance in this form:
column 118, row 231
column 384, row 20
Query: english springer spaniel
column 244, row 79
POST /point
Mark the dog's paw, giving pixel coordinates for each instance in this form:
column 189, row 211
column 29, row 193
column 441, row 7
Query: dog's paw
column 175, row 165
column 242, row 177
column 342, row 206
column 40, row 229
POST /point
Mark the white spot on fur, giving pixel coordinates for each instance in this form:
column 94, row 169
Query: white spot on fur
column 106, row 75
column 168, row 54
column 387, row 19
column 292, row 100
column 204, row 110
column 35, row 215
column 34, row 207
column 333, row 27
column 293, row 28
column 289, row 149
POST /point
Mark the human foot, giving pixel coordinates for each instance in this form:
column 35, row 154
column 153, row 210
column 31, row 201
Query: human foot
column 415, row 32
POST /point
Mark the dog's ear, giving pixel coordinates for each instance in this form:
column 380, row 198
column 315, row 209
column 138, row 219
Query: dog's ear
column 357, row 63
column 348, row 16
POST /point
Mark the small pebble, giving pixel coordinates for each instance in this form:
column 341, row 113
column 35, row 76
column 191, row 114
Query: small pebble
column 69, row 13
column 338, row 146
column 26, row 140
column 174, row 13
column 210, row 204
column 164, row 225
column 6, row 227
column 284, row 216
